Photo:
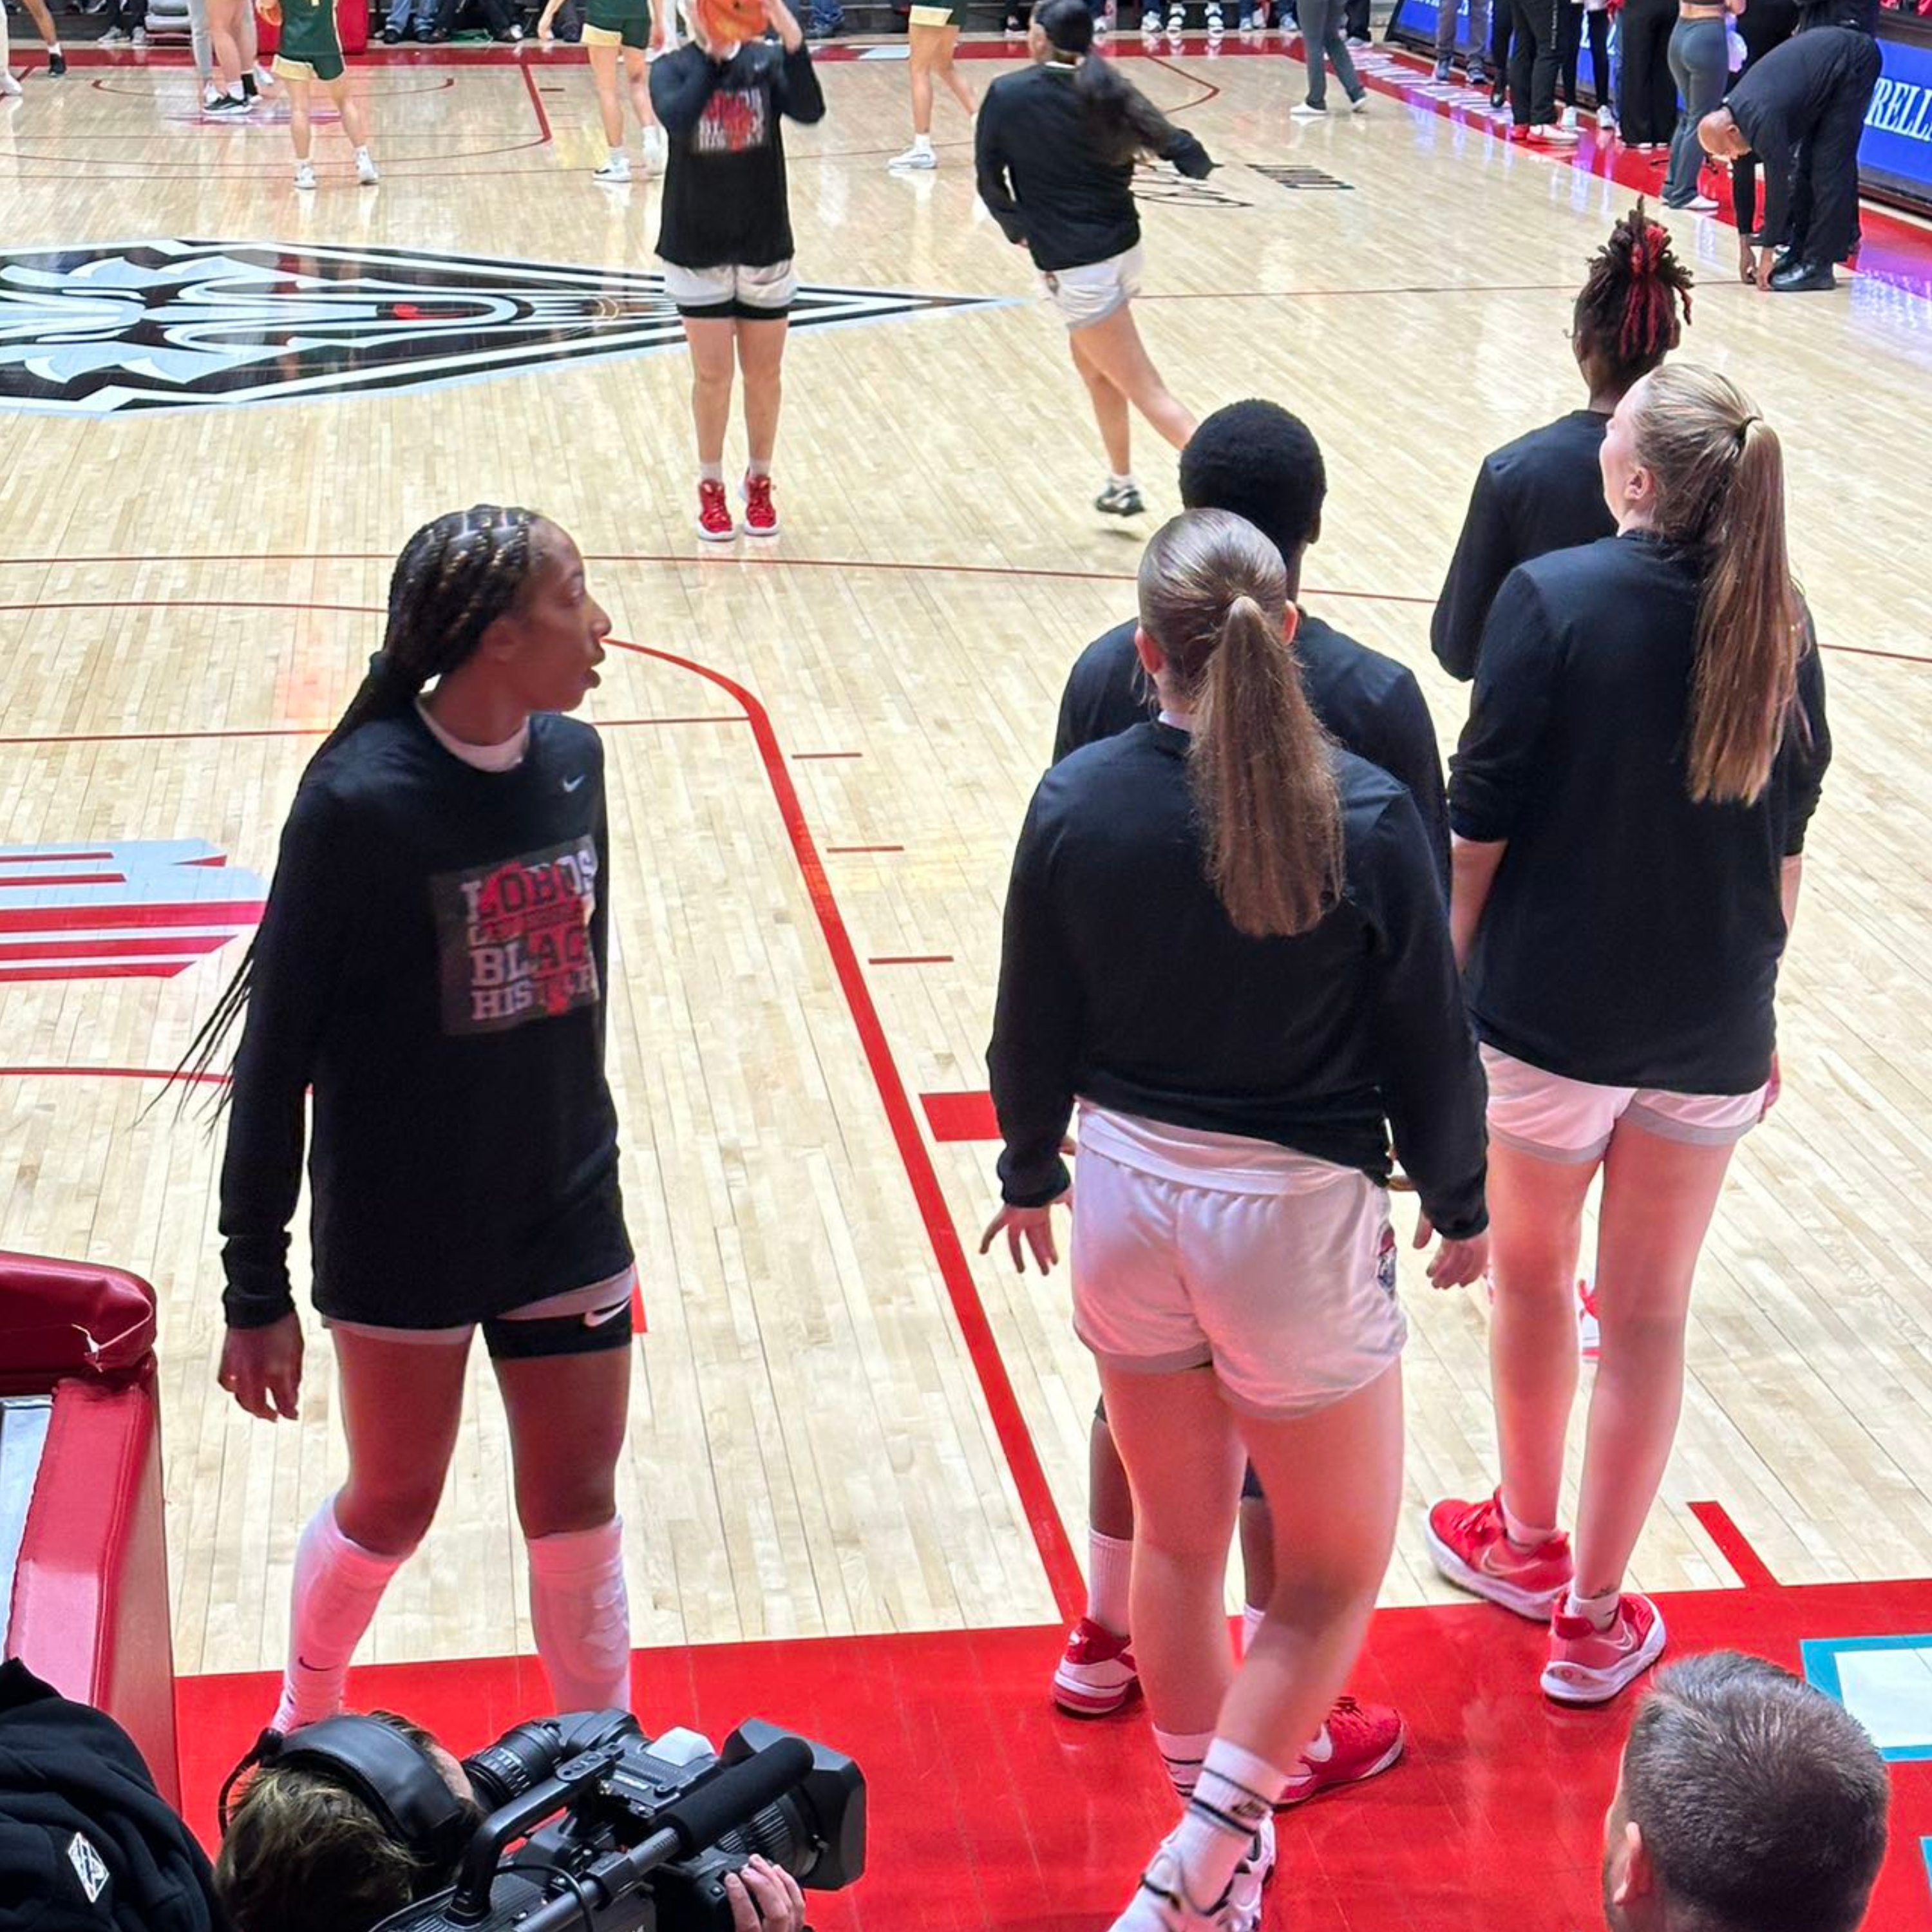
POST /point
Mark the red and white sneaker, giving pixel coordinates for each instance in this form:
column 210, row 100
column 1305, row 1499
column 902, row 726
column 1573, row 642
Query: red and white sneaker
column 1358, row 1742
column 714, row 513
column 1589, row 1330
column 1588, row 1665
column 1097, row 1674
column 761, row 514
column 1472, row 1548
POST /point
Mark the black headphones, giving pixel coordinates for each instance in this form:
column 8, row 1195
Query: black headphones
column 392, row 1774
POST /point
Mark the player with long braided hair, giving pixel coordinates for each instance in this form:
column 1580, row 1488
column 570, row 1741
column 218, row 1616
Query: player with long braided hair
column 431, row 964
column 1543, row 491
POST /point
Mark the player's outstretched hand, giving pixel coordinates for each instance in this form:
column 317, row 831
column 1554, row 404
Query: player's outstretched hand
column 765, row 1899
column 1454, row 1264
column 261, row 1368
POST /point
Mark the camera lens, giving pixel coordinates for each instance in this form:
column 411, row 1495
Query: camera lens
column 780, row 1833
column 520, row 1758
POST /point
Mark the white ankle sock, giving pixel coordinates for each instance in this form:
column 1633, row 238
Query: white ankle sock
column 1525, row 1536
column 338, row 1586
column 1183, row 1753
column 1110, row 1566
column 1252, row 1618
column 582, row 1616
column 711, row 473
column 616, row 155
column 1126, row 482
column 1601, row 1611
column 758, row 466
column 1238, row 1790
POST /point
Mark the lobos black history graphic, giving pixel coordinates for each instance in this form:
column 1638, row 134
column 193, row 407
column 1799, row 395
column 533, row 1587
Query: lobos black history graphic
column 106, row 329
column 514, row 939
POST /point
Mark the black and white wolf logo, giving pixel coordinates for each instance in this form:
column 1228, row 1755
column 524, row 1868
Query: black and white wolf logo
column 103, row 330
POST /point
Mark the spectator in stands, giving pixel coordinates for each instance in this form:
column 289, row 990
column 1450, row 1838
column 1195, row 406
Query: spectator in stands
column 1747, row 1801
column 1647, row 110
column 87, row 1844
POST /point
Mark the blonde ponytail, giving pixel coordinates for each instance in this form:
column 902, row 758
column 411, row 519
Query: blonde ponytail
column 1214, row 596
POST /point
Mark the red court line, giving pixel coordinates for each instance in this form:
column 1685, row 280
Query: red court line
column 64, row 857
column 1753, row 1572
column 1003, row 1408
column 536, row 102
column 27, row 885
column 112, row 1073
column 911, row 959
column 961, row 1117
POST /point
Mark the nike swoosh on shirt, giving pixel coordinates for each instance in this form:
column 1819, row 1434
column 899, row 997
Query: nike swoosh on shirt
column 570, row 784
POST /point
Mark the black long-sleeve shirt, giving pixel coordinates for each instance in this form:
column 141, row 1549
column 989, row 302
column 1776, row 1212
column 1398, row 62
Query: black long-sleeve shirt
column 1861, row 16
column 1631, row 937
column 724, row 194
column 1122, row 979
column 1370, row 704
column 1044, row 179
column 1543, row 492
column 432, row 961
column 1782, row 98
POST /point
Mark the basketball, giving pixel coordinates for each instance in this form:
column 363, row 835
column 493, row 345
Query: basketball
column 729, row 22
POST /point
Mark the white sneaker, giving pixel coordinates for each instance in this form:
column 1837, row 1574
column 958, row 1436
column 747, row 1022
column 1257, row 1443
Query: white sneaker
column 265, row 81
column 1567, row 118
column 1216, row 26
column 1359, row 105
column 365, row 168
column 915, row 157
column 1308, row 111
column 9, row 87
column 304, row 177
column 1176, row 21
column 616, row 172
column 1606, row 120
column 1162, row 1899
column 139, row 37
column 657, row 150
column 113, row 38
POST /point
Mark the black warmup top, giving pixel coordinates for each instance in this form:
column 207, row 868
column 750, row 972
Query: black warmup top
column 1045, row 182
column 432, row 962
column 1372, row 705
column 725, row 198
column 1632, row 937
column 1541, row 492
column 1861, row 16
column 1780, row 99
column 1122, row 979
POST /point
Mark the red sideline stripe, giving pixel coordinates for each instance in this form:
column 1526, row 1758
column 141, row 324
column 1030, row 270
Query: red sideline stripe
column 48, row 858
column 63, row 879
column 161, row 1073
column 1049, row 1534
column 236, row 913
column 1754, row 1573
column 638, row 1325
column 101, row 970
column 12, row 951
column 961, row 1117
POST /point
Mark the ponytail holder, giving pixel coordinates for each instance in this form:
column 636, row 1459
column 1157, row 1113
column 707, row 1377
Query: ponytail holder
column 382, row 668
column 1744, row 426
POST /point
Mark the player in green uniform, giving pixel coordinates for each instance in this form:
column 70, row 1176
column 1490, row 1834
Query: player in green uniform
column 638, row 30
column 311, row 51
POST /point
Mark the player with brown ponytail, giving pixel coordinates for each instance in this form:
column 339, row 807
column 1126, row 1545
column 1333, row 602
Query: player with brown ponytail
column 1542, row 492
column 1647, row 746
column 431, row 966
column 1225, row 939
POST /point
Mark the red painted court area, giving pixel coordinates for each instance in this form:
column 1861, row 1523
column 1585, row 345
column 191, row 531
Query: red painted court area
column 990, row 1809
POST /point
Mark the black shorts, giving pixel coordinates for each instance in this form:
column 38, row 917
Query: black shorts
column 513, row 1338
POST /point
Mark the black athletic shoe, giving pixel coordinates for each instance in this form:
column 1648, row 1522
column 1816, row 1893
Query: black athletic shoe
column 391, row 35
column 56, row 66
column 1801, row 278
column 227, row 103
column 1120, row 500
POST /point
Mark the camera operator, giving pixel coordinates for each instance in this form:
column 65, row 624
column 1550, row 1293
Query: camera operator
column 305, row 1851
column 1746, row 1802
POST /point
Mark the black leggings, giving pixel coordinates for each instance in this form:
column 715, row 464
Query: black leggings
column 1648, row 113
column 1570, row 48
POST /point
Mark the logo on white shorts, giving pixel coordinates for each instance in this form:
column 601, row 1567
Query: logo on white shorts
column 105, row 330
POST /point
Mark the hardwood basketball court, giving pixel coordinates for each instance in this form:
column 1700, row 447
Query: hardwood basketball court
column 846, row 1425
